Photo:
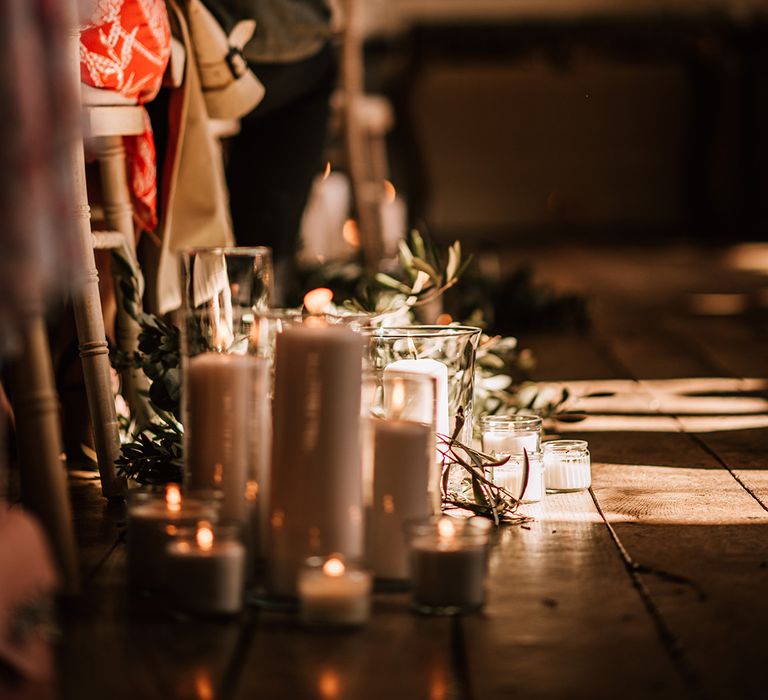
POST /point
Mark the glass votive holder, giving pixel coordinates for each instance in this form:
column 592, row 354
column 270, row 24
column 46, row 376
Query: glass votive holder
column 448, row 565
column 567, row 465
column 334, row 592
column 153, row 518
column 510, row 476
column 206, row 569
column 510, row 435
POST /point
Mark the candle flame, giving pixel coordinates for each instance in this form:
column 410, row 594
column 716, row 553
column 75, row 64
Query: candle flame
column 327, row 170
column 173, row 498
column 251, row 490
column 390, row 193
column 350, row 233
column 398, row 397
column 446, row 528
column 204, row 536
column 317, row 300
column 334, row 567
column 444, row 320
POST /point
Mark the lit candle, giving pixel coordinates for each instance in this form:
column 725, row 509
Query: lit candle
column 449, row 564
column 224, row 393
column 206, row 573
column 394, row 219
column 332, row 593
column 316, row 477
column 152, row 519
column 324, row 216
column 402, row 468
column 418, row 408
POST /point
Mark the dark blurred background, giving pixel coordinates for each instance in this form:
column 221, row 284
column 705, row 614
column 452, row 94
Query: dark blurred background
column 526, row 121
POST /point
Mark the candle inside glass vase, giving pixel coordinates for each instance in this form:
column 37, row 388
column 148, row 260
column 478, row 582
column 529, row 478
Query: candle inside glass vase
column 206, row 570
column 152, row 519
column 448, row 560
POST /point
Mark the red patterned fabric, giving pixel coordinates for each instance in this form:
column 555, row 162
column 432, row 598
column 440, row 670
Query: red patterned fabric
column 125, row 47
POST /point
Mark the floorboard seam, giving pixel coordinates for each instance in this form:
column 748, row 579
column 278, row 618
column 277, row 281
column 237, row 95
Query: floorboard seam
column 701, row 442
column 460, row 659
column 234, row 671
column 91, row 575
column 668, row 639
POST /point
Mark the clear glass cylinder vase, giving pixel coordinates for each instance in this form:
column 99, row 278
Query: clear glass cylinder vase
column 225, row 381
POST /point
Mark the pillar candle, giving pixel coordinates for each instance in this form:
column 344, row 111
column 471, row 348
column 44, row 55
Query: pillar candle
column 334, row 594
column 316, row 476
column 403, row 461
column 225, row 396
column 416, row 408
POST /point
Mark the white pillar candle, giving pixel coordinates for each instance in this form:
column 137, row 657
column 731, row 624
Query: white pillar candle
column 394, row 221
column 316, row 477
column 417, row 408
column 403, row 461
column 223, row 392
column 207, row 574
column 323, row 220
column 334, row 594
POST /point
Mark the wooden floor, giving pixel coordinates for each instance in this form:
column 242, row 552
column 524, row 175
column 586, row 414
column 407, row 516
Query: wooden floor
column 653, row 585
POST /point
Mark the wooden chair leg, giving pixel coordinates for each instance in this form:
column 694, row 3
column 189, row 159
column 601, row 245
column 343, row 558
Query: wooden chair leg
column 118, row 213
column 43, row 475
column 90, row 324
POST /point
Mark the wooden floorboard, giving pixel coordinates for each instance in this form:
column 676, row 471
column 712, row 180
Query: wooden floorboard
column 555, row 589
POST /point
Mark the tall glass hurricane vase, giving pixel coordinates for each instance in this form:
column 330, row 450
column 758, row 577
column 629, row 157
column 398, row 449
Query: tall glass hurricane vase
column 446, row 353
column 225, row 409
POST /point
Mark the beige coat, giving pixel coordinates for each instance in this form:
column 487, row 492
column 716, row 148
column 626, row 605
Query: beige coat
column 194, row 208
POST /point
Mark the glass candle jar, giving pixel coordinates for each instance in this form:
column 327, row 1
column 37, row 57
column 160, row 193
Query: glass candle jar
column 333, row 592
column 448, row 565
column 510, row 476
column 509, row 435
column 153, row 518
column 206, row 567
column 567, row 465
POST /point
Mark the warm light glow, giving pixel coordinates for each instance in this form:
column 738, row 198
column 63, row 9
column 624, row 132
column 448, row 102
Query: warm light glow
column 390, row 193
column 218, row 473
column 388, row 503
column 203, row 686
column 251, row 490
column 398, row 397
column 444, row 320
column 173, row 498
column 328, row 684
column 350, row 233
column 446, row 528
column 334, row 567
column 317, row 300
column 204, row 536
column 327, row 170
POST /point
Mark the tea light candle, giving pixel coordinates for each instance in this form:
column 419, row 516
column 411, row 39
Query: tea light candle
column 206, row 573
column 510, row 477
column 332, row 593
column 567, row 464
column 152, row 519
column 449, row 565
column 419, row 408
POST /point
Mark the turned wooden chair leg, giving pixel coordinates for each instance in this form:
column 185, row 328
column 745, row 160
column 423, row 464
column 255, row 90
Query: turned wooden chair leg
column 90, row 324
column 43, row 474
column 118, row 213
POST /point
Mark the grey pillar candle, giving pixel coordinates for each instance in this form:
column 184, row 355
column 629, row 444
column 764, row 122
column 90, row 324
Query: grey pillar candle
column 224, row 397
column 316, row 476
